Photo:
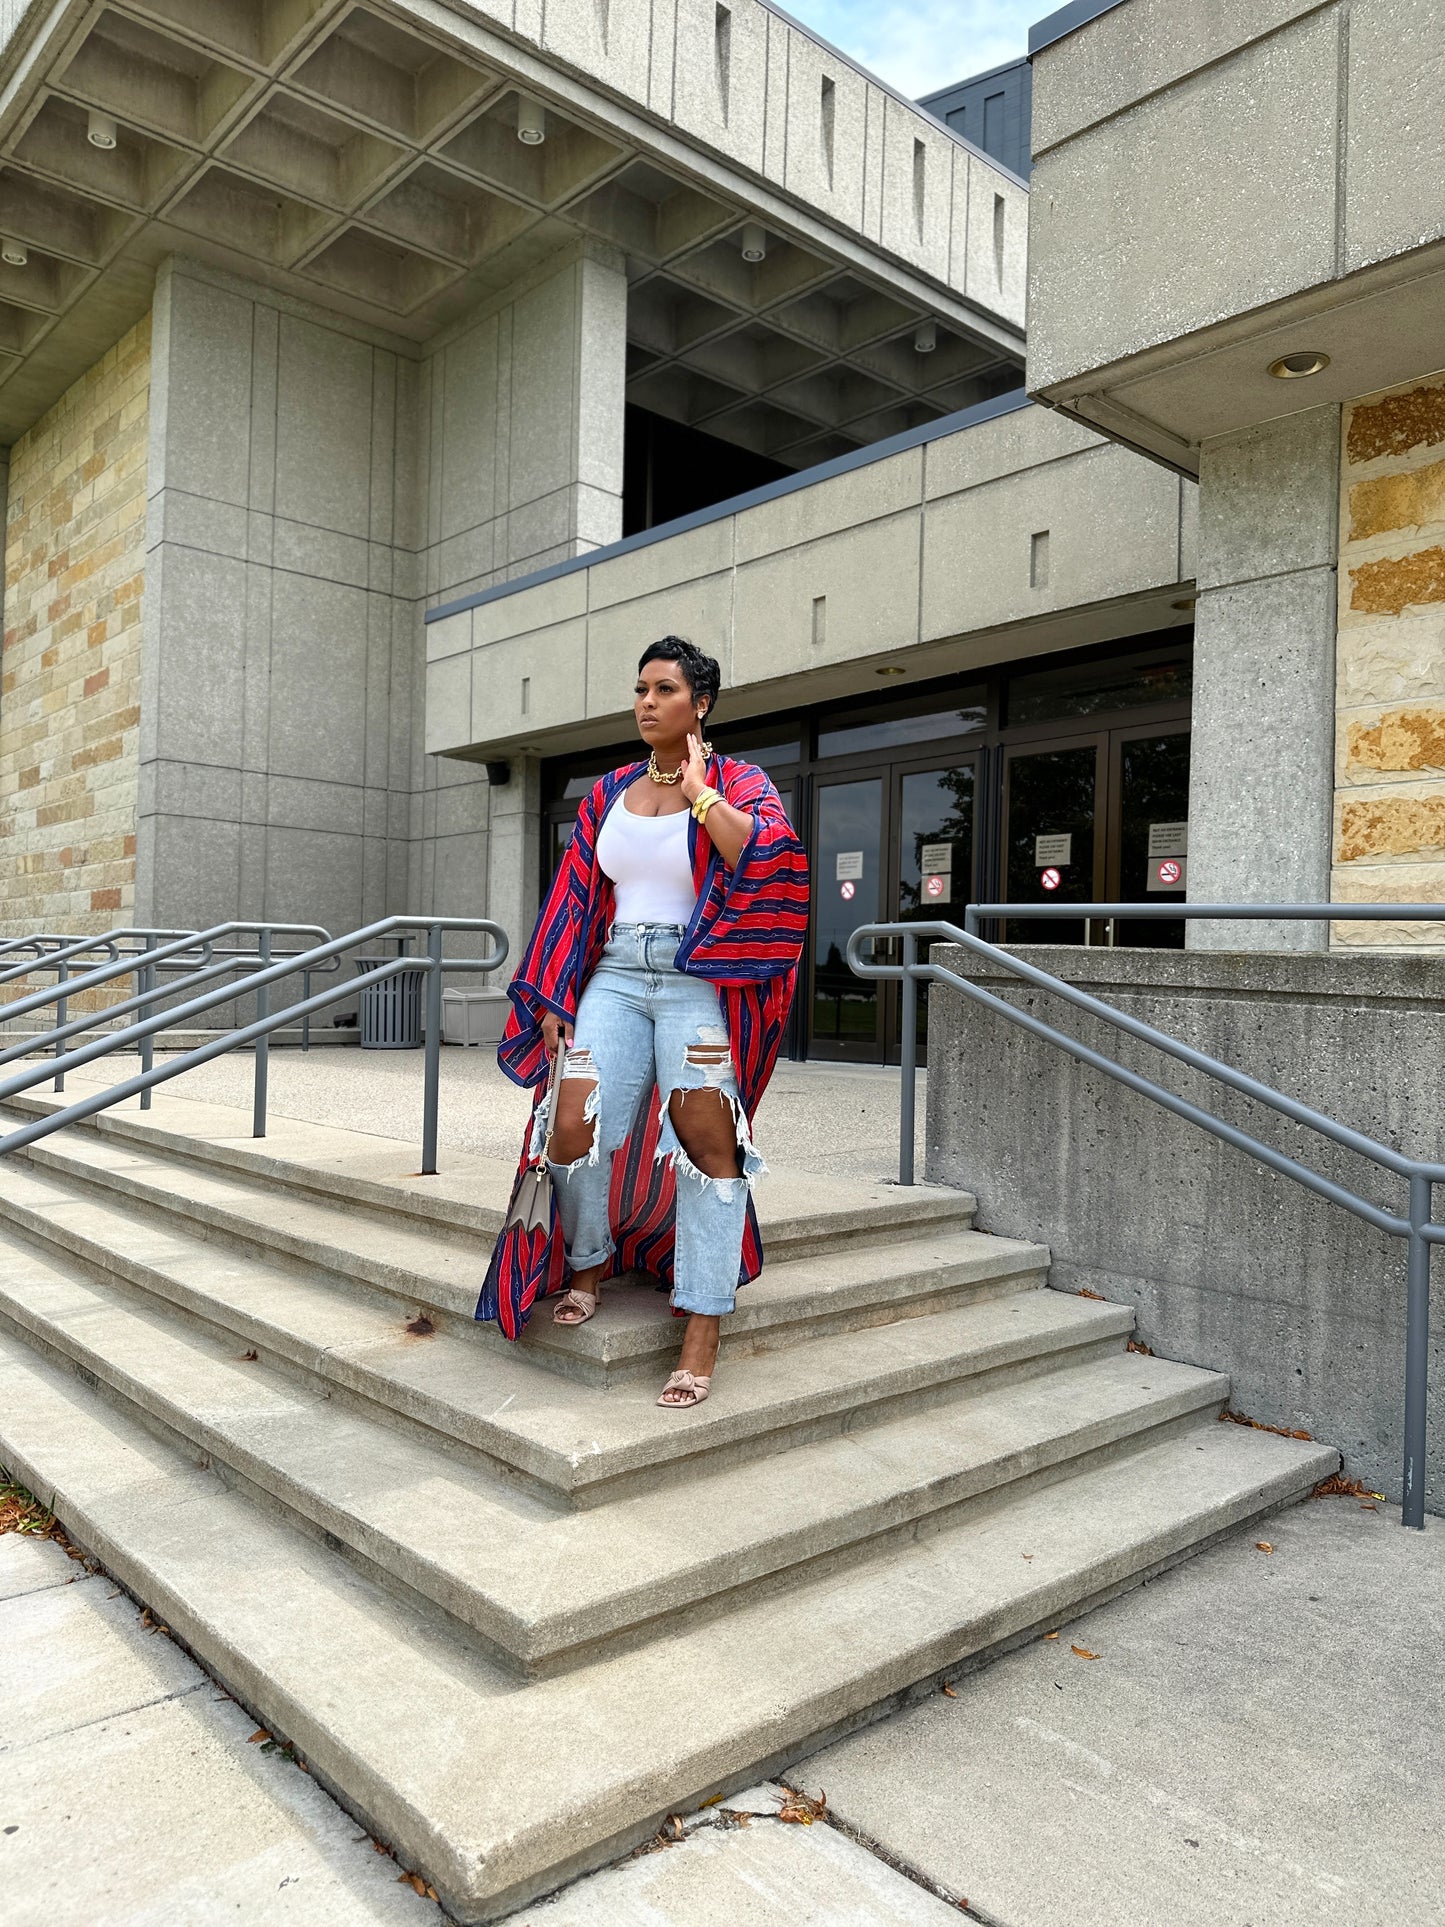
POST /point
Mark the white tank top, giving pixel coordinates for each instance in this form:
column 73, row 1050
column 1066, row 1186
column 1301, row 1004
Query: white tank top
column 647, row 860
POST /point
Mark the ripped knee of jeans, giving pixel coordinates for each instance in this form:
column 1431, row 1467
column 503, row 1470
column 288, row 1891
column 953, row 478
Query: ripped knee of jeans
column 578, row 1066
column 711, row 1056
column 707, row 1066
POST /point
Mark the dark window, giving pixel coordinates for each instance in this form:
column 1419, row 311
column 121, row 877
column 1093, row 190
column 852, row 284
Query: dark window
column 670, row 470
column 1091, row 689
column 959, row 713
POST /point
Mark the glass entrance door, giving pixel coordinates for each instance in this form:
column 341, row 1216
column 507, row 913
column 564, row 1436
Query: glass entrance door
column 1052, row 852
column 847, row 890
column 934, row 814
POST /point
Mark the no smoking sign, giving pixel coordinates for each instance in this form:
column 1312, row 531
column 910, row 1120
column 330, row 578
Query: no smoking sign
column 1051, row 879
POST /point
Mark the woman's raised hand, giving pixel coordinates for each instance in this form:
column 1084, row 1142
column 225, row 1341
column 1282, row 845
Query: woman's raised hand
column 694, row 773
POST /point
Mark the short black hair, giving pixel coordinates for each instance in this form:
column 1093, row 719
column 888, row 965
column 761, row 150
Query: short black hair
column 701, row 673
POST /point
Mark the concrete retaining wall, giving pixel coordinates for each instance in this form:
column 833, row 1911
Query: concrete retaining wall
column 1227, row 1264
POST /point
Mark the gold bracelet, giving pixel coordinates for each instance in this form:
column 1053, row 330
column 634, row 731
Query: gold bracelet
column 706, row 797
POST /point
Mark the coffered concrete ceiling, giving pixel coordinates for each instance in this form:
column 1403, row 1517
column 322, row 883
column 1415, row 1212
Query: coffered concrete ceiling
column 367, row 157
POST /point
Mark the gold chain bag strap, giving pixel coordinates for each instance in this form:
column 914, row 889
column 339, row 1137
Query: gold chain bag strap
column 531, row 1206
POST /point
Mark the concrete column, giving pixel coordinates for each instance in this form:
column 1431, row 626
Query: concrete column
column 514, row 858
column 1261, row 776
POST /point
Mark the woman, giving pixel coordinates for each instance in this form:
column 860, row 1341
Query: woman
column 662, row 966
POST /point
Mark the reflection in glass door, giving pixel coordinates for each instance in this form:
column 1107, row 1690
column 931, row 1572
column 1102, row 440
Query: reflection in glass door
column 935, row 860
column 1049, row 836
column 847, row 891
column 1153, row 788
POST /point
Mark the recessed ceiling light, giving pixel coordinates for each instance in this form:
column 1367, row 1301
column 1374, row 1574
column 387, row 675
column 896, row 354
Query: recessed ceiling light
column 755, row 242
column 531, row 122
column 100, row 129
column 890, row 669
column 14, row 254
column 1294, row 367
column 925, row 339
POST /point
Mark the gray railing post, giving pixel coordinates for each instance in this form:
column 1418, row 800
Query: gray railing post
column 432, row 1091
column 909, row 1058
column 1417, row 1352
column 263, row 1042
column 62, row 976
column 306, row 1020
column 146, row 981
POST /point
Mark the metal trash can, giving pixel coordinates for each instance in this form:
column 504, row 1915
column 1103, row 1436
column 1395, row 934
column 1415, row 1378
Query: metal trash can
column 390, row 1010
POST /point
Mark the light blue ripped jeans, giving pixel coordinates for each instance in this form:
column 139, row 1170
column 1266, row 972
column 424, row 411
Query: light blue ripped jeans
column 639, row 1020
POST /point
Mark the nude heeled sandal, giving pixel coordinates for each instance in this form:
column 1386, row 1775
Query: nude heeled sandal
column 584, row 1303
column 696, row 1387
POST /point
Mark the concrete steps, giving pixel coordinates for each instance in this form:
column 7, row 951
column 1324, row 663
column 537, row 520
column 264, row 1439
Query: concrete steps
column 540, row 1586
column 470, row 1580
column 582, row 1443
column 498, row 1790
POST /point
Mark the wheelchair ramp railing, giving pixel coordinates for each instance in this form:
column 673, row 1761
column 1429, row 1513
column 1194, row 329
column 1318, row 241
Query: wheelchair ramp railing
column 1415, row 1223
column 202, row 958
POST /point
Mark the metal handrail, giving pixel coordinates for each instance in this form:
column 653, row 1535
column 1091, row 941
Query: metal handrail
column 143, row 964
column 266, row 1021
column 1417, row 1225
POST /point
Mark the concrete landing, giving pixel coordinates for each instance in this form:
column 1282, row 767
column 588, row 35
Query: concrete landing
column 1260, row 1741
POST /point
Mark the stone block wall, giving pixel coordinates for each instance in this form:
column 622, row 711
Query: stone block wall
column 71, row 665
column 1389, row 824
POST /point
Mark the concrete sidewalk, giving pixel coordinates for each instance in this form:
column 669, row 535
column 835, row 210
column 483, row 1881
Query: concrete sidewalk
column 1260, row 1741
column 130, row 1790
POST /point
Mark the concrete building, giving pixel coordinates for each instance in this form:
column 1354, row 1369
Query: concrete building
column 379, row 379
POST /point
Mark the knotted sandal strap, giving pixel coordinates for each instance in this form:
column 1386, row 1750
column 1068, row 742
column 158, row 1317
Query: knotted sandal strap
column 584, row 1303
column 696, row 1387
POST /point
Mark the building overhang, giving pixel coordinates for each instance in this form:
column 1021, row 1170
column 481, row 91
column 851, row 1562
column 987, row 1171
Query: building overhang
column 1377, row 328
column 366, row 155
column 1219, row 189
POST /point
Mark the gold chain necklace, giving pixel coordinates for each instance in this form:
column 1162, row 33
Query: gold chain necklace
column 657, row 775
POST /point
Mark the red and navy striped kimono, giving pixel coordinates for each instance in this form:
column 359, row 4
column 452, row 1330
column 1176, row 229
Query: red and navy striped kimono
column 745, row 937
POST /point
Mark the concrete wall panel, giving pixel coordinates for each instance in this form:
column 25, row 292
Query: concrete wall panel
column 1113, row 211
column 662, row 565
column 1395, row 134
column 318, row 679
column 1227, row 1264
column 527, row 682
column 827, row 132
column 324, row 420
column 203, row 433
column 1111, row 526
column 829, row 507
column 917, row 214
column 1138, row 50
column 866, row 581
column 719, row 91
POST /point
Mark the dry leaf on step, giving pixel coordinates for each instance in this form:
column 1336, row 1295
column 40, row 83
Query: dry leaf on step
column 1083, row 1652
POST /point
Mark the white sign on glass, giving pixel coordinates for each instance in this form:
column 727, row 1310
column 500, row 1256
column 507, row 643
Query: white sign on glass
column 1054, row 849
column 936, row 859
column 1168, row 839
column 937, row 889
column 850, row 864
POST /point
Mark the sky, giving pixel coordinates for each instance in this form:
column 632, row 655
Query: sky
column 919, row 46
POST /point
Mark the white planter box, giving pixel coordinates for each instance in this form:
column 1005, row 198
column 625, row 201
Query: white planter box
column 474, row 1016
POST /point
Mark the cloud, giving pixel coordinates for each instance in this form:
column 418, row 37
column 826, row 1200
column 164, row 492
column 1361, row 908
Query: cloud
column 918, row 48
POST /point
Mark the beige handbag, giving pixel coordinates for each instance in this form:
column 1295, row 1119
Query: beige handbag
column 531, row 1206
